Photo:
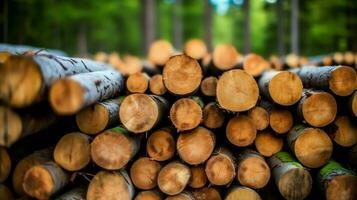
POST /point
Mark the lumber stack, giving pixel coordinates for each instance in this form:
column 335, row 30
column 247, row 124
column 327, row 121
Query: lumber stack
column 194, row 125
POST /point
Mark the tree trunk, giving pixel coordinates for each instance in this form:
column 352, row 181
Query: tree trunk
column 156, row 85
column 207, row 193
column 280, row 23
column 213, row 116
column 241, row 131
column 344, row 131
column 246, row 27
column 5, row 164
column 199, row 178
column 260, row 117
column 78, row 193
column 82, row 40
column 208, row 86
column 177, row 24
column 268, row 144
column 137, row 83
column 186, row 114
column 149, row 23
column 173, row 178
column 161, row 145
column 144, row 172
column 208, row 24
column 295, row 26
column 242, row 193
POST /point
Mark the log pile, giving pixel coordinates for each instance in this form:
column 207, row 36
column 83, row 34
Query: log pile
column 192, row 125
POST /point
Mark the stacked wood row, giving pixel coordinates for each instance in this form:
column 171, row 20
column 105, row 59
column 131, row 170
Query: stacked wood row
column 196, row 125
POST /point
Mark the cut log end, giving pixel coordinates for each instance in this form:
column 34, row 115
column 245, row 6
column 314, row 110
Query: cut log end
column 196, row 146
column 10, row 126
column 338, row 57
column 156, row 85
column 213, row 116
column 225, row 57
column 295, row 184
column 349, row 58
column 207, row 193
column 242, row 193
column 281, row 121
column 237, row 91
column 253, row 172
column 5, row 164
column 144, row 173
column 268, row 144
column 285, row 88
column 93, row 119
column 159, row 52
column 138, row 113
column 186, row 114
column 38, row 182
column 346, row 133
column 343, row 80
column 129, row 65
column 137, row 83
column 66, row 96
column 148, row 195
column 220, row 170
column 292, row 60
column 241, row 131
column 199, row 178
column 20, row 81
column 196, row 49
column 4, row 55
column 342, row 187
column 160, row 145
column 173, row 178
column 182, row 75
column 260, row 117
column 254, row 64
column 208, row 86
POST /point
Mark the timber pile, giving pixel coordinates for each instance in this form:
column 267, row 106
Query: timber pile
column 198, row 125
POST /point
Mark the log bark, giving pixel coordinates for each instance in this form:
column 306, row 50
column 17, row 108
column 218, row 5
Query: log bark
column 99, row 116
column 182, row 75
column 140, row 112
column 208, row 86
column 23, row 49
column 18, row 124
column 341, row 80
column 213, row 116
column 242, row 193
column 196, row 49
column 345, row 131
column 292, row 180
column 252, row 170
column 353, row 104
column 254, row 64
column 126, row 146
column 337, row 182
column 260, row 117
column 280, row 120
column 44, row 180
column 173, row 178
column 237, row 91
column 241, row 131
column 38, row 73
column 225, row 57
column 111, row 185
column 156, row 85
column 78, row 193
column 196, row 146
column 149, row 195
column 186, row 114
column 144, row 173
column 161, row 145
column 137, row 83
column 267, row 143
column 317, row 108
column 5, row 164
column 221, row 167
column 199, row 178
column 311, row 146
column 159, row 52
column 284, row 88
column 320, row 61
column 101, row 56
column 36, row 158
column 6, row 193
column 69, row 95
column 72, row 152
column 207, row 193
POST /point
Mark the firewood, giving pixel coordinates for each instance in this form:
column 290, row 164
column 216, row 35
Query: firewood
column 260, row 117
column 196, row 146
column 213, row 116
column 241, row 131
column 110, row 185
column 161, row 145
column 78, row 193
column 100, row 56
column 291, row 61
column 23, row 49
column 148, row 195
column 276, row 63
column 196, row 49
column 199, row 178
column 237, row 91
column 267, row 143
column 207, row 193
column 254, row 64
column 72, row 152
column 338, row 58
column 185, row 195
column 129, row 65
column 99, row 116
column 144, row 173
column 5, row 164
column 311, row 146
column 349, row 58
column 159, row 52
column 292, row 180
column 173, row 178
column 124, row 148
column 242, row 193
column 6, row 193
column 156, row 85
column 140, row 112
column 69, row 95
column 186, row 113
column 137, row 83
column 208, row 86
column 345, row 133
column 281, row 120
column 225, row 57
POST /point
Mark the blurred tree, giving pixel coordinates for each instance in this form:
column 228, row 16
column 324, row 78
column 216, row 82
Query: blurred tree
column 149, row 23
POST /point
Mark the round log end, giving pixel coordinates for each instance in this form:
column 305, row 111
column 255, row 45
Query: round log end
column 38, row 182
column 253, row 172
column 346, row 133
column 241, row 131
column 237, row 91
column 213, row 116
column 285, row 88
column 199, row 178
column 292, row 60
column 207, row 193
column 173, row 178
column 4, row 55
column 338, row 57
column 129, row 65
column 160, row 145
column 5, row 164
column 195, row 48
column 186, row 114
column 254, row 64
column 343, row 80
column 10, row 126
column 156, row 85
column 159, row 52
column 148, row 195
column 225, row 56
column 220, row 170
column 268, row 144
column 92, row 119
column 342, row 187
column 260, row 117
column 349, row 57
column 208, row 86
column 182, row 75
column 144, row 172
column 137, row 83
column 281, row 121
column 295, row 184
column 242, row 193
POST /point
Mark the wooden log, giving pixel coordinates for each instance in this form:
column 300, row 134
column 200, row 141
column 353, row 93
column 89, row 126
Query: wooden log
column 353, row 104
column 156, row 85
column 72, row 151
column 292, row 180
column 6, row 193
column 352, row 157
column 276, row 63
column 291, row 60
column 341, row 80
column 213, row 116
column 186, row 114
column 345, row 131
column 196, row 49
column 161, row 145
column 207, row 193
column 78, row 193
column 44, row 180
column 36, row 158
column 101, row 56
column 349, row 58
column 280, row 120
column 208, row 86
column 317, row 108
column 99, row 116
column 4, row 55
column 237, row 91
column 320, row 61
column 140, row 112
column 283, row 87
column 69, row 95
column 15, row 125
column 185, row 195
column 128, row 65
column 144, row 173
column 311, row 146
column 182, row 75
column 225, row 57
column 254, row 64
column 267, row 143
column 220, row 167
column 196, row 146
column 125, row 147
column 110, row 185
column 148, row 195
column 137, row 83
column 241, row 131
column 27, row 78
column 5, row 164
column 173, row 178
column 303, row 60
column 338, row 58
column 260, row 117
column 199, row 178
column 23, row 49
column 159, row 52
column 252, row 170
column 337, row 182
column 242, row 193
